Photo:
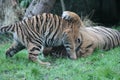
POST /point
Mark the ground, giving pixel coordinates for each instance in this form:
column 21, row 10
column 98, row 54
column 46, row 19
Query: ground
column 102, row 65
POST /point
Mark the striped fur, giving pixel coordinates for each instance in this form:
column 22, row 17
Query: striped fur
column 41, row 31
column 98, row 37
column 92, row 37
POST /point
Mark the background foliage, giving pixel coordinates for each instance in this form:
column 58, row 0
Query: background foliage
column 24, row 3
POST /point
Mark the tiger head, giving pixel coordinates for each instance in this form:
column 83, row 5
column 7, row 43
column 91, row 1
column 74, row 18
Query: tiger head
column 72, row 17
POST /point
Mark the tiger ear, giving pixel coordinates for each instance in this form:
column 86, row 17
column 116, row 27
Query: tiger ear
column 67, row 15
column 72, row 17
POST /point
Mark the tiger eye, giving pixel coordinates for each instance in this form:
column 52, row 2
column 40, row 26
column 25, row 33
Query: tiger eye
column 78, row 40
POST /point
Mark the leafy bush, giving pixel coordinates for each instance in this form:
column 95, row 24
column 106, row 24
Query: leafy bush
column 24, row 3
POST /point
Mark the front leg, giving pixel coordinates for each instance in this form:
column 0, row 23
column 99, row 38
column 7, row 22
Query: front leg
column 15, row 47
column 34, row 51
column 69, row 44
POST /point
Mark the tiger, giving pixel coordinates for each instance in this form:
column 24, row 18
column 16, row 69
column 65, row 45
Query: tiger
column 92, row 37
column 42, row 31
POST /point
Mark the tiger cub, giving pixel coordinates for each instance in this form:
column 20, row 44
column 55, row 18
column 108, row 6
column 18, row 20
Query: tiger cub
column 41, row 31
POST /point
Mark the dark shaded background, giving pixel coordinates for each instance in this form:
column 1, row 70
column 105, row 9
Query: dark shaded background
column 105, row 12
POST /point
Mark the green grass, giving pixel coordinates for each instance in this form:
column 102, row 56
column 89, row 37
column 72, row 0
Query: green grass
column 102, row 65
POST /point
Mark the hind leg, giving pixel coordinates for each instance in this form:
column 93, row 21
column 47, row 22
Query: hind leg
column 15, row 47
column 34, row 51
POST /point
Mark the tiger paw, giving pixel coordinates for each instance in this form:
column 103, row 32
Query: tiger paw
column 47, row 63
column 44, row 63
column 8, row 55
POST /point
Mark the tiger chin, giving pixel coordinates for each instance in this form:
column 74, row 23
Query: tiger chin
column 92, row 37
column 42, row 31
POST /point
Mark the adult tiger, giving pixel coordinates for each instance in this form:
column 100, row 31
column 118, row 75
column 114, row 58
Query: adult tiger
column 94, row 37
column 91, row 37
column 46, row 30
